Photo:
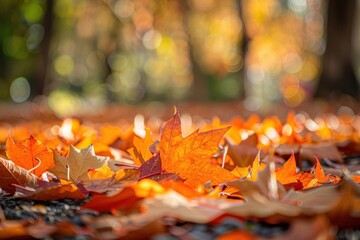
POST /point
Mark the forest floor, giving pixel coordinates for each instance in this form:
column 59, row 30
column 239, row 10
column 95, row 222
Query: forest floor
column 145, row 172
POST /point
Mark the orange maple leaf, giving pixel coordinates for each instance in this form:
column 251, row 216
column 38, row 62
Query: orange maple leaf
column 30, row 154
column 287, row 173
column 141, row 150
column 191, row 157
column 287, row 176
column 319, row 177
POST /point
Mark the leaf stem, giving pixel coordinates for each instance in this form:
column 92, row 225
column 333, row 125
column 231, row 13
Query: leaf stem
column 224, row 156
column 150, row 175
column 67, row 172
column 39, row 162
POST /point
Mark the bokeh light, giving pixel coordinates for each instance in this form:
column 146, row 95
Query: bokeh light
column 133, row 51
column 20, row 90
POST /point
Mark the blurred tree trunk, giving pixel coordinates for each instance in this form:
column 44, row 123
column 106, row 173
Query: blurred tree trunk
column 200, row 89
column 244, row 48
column 338, row 75
column 44, row 59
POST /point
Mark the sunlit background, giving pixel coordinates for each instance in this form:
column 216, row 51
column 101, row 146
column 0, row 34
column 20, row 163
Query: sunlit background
column 79, row 52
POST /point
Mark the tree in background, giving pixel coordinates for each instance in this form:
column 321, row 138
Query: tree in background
column 338, row 75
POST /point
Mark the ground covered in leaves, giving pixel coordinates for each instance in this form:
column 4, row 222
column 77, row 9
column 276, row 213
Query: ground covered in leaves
column 295, row 177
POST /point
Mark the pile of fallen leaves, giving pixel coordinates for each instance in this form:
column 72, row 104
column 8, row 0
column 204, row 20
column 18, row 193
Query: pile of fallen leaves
column 246, row 178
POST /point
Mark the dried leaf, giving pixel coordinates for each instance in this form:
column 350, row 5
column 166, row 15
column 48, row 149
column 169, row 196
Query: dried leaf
column 11, row 174
column 77, row 164
column 28, row 153
column 175, row 205
column 244, row 153
column 114, row 183
column 60, row 191
column 191, row 157
column 326, row 150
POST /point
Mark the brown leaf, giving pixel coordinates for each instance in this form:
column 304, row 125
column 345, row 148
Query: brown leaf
column 326, row 150
column 11, row 174
column 60, row 191
column 115, row 183
column 76, row 165
column 176, row 205
column 244, row 153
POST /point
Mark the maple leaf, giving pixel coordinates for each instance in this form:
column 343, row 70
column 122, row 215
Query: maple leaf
column 251, row 172
column 30, row 154
column 76, row 165
column 140, row 152
column 244, row 153
column 102, row 172
column 151, row 169
column 287, row 173
column 191, row 157
column 114, row 183
column 290, row 203
column 11, row 174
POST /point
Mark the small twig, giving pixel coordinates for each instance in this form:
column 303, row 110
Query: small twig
column 67, row 172
column 274, row 191
column 39, row 162
column 225, row 150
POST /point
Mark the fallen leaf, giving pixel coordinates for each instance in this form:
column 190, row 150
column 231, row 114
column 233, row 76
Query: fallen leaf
column 11, row 174
column 109, row 134
column 100, row 173
column 241, row 172
column 140, row 151
column 77, row 164
column 59, row 191
column 256, row 167
column 173, row 204
column 126, row 199
column 191, row 157
column 116, row 182
column 346, row 208
column 244, row 153
column 260, row 201
column 326, row 150
column 151, row 167
column 287, row 173
column 30, row 154
column 182, row 189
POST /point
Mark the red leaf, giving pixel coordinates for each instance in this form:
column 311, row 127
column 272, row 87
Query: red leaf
column 124, row 200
